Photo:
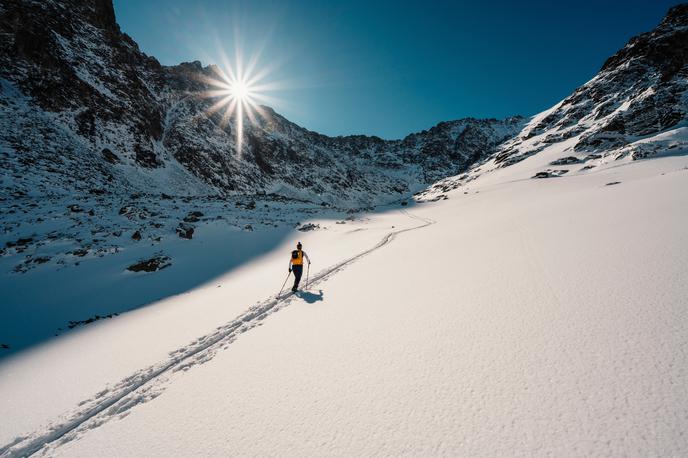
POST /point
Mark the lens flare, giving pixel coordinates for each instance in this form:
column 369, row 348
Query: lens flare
column 239, row 91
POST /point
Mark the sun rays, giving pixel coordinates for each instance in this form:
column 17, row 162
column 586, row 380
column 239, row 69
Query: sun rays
column 239, row 90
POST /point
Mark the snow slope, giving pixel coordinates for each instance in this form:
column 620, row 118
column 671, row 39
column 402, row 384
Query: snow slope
column 527, row 317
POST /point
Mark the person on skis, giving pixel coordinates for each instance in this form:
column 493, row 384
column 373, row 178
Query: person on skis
column 296, row 264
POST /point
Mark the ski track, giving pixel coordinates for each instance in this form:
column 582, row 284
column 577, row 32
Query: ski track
column 146, row 384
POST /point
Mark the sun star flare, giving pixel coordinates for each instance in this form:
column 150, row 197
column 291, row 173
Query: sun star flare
column 239, row 92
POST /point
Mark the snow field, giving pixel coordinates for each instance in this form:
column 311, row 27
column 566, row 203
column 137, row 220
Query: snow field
column 85, row 360
column 538, row 317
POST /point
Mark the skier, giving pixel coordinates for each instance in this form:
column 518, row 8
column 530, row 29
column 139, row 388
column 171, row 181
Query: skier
column 296, row 264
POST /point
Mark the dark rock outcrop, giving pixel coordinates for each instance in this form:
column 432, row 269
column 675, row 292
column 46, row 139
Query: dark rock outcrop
column 185, row 231
column 153, row 264
column 640, row 91
column 550, row 173
column 566, row 161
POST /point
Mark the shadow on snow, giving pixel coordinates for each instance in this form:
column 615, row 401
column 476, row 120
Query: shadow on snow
column 39, row 306
column 309, row 296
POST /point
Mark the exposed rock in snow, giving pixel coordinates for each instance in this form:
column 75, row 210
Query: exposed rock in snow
column 549, row 173
column 151, row 265
column 193, row 217
column 185, row 230
column 566, row 161
column 75, row 323
column 309, row 227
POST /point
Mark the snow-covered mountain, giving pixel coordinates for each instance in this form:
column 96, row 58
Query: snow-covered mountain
column 83, row 108
column 635, row 107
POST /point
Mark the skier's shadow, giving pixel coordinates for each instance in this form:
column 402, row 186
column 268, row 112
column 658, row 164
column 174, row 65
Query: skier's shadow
column 309, row 297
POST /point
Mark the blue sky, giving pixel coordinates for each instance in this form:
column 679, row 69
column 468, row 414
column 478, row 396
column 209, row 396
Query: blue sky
column 389, row 68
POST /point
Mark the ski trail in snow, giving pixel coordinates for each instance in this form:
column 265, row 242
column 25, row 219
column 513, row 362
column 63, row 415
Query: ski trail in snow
column 147, row 384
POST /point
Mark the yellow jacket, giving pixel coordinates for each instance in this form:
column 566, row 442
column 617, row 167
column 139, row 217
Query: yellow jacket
column 298, row 261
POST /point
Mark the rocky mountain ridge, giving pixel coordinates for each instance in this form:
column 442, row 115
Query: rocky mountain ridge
column 84, row 108
column 639, row 92
column 636, row 107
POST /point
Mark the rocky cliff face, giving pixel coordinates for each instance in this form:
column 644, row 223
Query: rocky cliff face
column 639, row 92
column 636, row 107
column 84, row 108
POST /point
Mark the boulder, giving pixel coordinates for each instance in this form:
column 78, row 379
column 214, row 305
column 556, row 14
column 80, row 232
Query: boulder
column 185, row 231
column 153, row 264
column 566, row 161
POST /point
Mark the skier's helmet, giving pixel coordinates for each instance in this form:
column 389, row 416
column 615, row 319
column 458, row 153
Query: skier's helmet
column 298, row 245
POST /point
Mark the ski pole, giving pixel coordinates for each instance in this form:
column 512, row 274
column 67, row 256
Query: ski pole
column 285, row 282
column 308, row 269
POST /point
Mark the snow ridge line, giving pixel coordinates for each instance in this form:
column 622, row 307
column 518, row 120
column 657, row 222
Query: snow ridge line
column 199, row 351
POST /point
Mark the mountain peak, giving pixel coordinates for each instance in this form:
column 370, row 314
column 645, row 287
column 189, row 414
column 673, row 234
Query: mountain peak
column 664, row 48
column 101, row 13
column 638, row 93
column 676, row 16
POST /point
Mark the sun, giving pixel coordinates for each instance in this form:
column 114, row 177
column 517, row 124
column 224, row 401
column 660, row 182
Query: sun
column 239, row 90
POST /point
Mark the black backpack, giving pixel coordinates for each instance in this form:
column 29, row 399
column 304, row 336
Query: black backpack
column 295, row 254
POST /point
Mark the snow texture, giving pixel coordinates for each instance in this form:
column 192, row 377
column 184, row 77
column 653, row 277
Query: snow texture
column 547, row 325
